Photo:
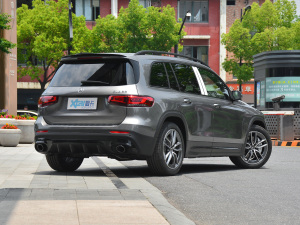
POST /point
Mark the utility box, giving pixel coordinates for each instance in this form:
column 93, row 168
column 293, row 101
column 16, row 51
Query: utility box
column 287, row 128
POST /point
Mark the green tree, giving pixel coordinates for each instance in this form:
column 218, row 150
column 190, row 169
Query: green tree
column 43, row 37
column 5, row 45
column 266, row 28
column 135, row 29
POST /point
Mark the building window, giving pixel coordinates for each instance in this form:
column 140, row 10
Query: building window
column 198, row 9
column 198, row 52
column 23, row 58
column 230, row 2
column 88, row 8
column 147, row 3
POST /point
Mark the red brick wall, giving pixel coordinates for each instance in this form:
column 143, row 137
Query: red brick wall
column 196, row 42
column 212, row 28
column 105, row 7
column 122, row 3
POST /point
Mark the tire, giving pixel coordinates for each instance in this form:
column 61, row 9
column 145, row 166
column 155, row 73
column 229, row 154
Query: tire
column 169, row 151
column 258, row 148
column 63, row 163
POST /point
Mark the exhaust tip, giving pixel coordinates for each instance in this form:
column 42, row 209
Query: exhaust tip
column 121, row 149
column 41, row 147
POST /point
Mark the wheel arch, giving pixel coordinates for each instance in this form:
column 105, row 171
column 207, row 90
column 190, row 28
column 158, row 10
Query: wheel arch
column 260, row 122
column 256, row 120
column 177, row 119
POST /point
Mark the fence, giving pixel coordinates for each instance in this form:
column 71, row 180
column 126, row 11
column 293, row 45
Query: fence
column 279, row 127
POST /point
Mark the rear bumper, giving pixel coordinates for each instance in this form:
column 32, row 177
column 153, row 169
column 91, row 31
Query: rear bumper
column 86, row 141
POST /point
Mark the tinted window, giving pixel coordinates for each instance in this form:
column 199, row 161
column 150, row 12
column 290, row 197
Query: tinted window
column 214, row 85
column 186, row 78
column 172, row 78
column 96, row 74
column 158, row 76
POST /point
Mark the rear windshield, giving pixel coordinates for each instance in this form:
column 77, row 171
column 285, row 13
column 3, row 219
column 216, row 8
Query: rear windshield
column 94, row 74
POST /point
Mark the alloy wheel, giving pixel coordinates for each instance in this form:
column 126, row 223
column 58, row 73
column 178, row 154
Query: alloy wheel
column 172, row 149
column 256, row 148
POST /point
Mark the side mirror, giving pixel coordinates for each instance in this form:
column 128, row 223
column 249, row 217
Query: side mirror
column 237, row 95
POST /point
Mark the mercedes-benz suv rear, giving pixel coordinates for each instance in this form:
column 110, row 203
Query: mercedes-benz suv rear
column 137, row 106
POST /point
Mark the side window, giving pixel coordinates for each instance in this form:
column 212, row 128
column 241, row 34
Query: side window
column 186, row 78
column 172, row 78
column 158, row 76
column 214, row 85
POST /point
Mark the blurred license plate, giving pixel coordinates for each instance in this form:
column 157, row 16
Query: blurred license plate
column 82, row 103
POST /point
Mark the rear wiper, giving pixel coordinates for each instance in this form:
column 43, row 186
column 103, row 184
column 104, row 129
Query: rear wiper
column 94, row 82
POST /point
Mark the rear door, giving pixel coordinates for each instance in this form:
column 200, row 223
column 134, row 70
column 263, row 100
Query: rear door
column 227, row 117
column 196, row 110
column 83, row 88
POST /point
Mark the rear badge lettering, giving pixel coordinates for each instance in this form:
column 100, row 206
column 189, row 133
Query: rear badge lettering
column 120, row 92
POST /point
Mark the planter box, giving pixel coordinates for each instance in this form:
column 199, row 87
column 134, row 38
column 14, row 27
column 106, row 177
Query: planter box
column 27, row 128
column 10, row 137
column 4, row 121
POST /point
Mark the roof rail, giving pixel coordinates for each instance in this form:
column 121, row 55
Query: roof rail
column 147, row 52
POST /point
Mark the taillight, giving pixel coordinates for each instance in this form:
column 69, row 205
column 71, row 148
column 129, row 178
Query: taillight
column 47, row 100
column 131, row 101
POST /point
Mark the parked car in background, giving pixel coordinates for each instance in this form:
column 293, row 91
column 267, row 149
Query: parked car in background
column 148, row 107
column 22, row 112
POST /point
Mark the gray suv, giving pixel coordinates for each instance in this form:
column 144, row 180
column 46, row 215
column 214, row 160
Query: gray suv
column 145, row 106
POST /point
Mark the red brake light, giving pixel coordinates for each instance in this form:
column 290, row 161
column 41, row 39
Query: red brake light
column 42, row 131
column 47, row 100
column 131, row 101
column 118, row 132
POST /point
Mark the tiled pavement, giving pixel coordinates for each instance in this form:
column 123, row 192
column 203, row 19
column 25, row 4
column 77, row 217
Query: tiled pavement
column 32, row 193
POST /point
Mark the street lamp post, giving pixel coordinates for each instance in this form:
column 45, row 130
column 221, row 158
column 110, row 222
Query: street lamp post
column 70, row 27
column 248, row 7
column 187, row 16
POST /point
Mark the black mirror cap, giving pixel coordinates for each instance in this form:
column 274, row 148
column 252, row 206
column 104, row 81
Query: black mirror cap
column 237, row 95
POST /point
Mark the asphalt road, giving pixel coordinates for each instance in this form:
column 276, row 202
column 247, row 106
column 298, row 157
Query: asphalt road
column 214, row 191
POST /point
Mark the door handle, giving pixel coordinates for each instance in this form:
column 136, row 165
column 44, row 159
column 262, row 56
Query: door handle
column 217, row 106
column 187, row 101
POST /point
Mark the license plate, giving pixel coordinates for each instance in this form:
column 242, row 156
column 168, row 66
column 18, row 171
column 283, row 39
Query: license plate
column 82, row 103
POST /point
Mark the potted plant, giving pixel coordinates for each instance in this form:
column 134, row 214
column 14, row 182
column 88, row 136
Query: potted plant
column 10, row 135
column 26, row 125
column 6, row 118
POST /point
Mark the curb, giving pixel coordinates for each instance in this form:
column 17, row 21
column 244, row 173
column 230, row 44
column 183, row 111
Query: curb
column 286, row 143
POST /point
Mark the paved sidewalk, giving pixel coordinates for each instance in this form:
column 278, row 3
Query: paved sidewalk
column 32, row 193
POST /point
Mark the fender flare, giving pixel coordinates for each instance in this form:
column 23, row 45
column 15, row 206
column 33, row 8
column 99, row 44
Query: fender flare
column 171, row 114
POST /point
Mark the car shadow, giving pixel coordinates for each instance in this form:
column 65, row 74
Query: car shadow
column 142, row 170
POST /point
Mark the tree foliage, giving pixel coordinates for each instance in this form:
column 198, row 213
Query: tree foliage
column 135, row 29
column 43, row 34
column 266, row 28
column 43, row 37
column 5, row 45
